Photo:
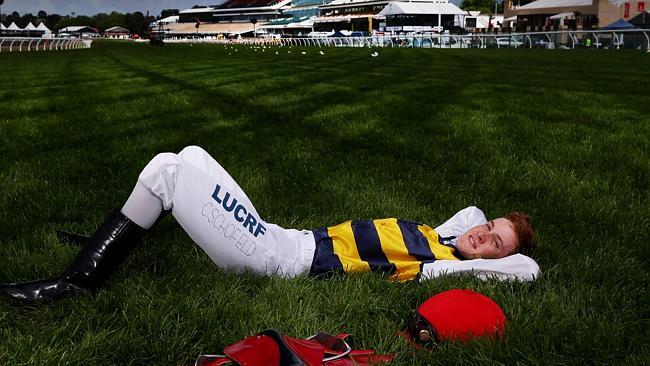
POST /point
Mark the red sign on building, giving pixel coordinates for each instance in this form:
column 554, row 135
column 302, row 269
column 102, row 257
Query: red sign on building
column 640, row 6
column 626, row 11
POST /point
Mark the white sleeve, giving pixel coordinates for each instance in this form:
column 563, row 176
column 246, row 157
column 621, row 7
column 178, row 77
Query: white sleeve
column 517, row 266
column 461, row 222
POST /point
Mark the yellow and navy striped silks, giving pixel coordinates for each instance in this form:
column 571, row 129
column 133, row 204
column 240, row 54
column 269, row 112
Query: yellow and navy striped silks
column 397, row 248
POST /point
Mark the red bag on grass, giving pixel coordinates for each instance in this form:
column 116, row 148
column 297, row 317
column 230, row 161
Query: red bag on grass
column 272, row 348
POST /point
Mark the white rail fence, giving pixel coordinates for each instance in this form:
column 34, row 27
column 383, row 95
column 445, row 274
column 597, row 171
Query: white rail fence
column 24, row 44
column 595, row 39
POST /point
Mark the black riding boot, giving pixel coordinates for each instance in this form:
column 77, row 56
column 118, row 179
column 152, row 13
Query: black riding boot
column 98, row 259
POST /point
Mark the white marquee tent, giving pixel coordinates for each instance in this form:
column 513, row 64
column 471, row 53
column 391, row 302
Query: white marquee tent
column 433, row 8
column 44, row 28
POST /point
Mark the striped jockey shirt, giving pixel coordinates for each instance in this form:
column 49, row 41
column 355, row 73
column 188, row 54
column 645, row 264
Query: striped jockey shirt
column 394, row 247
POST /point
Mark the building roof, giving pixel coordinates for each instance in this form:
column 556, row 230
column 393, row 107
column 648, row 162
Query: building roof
column 197, row 10
column 543, row 4
column 619, row 24
column 2, row 26
column 169, row 19
column 78, row 28
column 640, row 20
column 117, row 29
column 549, row 7
column 29, row 27
column 398, row 7
column 237, row 4
column 13, row 26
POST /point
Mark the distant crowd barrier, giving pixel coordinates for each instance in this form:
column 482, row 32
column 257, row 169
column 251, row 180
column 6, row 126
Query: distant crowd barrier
column 24, row 44
column 596, row 39
column 601, row 39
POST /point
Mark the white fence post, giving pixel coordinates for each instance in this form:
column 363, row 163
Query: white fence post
column 517, row 40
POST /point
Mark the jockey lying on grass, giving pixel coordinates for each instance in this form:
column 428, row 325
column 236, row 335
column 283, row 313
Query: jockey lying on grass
column 216, row 213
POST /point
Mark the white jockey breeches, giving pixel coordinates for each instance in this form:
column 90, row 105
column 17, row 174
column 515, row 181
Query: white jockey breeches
column 216, row 213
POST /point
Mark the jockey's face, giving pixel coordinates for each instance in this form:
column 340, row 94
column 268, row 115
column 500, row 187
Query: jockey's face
column 495, row 239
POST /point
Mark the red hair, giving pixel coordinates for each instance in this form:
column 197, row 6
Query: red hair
column 523, row 230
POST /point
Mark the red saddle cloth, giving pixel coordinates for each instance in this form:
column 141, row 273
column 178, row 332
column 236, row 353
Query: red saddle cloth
column 272, row 348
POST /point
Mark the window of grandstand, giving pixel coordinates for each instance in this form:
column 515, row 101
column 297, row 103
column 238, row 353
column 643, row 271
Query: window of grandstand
column 356, row 10
column 309, row 2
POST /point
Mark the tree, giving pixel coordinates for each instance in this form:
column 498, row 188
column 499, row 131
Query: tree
column 52, row 20
column 168, row 13
column 26, row 18
column 137, row 23
column 42, row 14
column 484, row 6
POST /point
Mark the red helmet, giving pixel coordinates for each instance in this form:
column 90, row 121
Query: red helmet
column 457, row 315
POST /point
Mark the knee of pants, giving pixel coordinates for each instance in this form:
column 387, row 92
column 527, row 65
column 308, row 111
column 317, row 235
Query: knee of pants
column 158, row 162
column 192, row 151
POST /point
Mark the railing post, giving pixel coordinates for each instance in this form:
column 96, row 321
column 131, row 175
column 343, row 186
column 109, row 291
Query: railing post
column 549, row 39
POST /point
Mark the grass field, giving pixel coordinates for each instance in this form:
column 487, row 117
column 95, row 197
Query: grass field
column 316, row 140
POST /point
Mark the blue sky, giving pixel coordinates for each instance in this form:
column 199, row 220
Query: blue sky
column 91, row 7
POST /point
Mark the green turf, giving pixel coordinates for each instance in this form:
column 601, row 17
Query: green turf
column 316, row 140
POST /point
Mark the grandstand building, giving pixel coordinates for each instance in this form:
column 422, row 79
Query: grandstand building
column 298, row 18
column 389, row 16
column 351, row 15
column 226, row 18
column 302, row 17
column 236, row 11
column 547, row 15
